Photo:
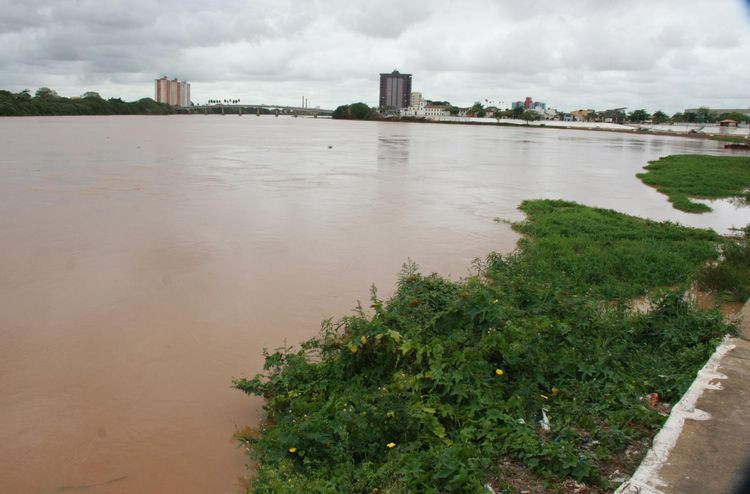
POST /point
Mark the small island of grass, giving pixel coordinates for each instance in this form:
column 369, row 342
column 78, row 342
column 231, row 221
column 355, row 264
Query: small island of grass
column 681, row 177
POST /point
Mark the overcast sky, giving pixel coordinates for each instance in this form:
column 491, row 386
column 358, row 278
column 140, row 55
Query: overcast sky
column 653, row 54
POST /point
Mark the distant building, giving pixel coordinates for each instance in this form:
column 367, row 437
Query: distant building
column 172, row 92
column 395, row 90
column 420, row 108
column 530, row 104
column 416, row 100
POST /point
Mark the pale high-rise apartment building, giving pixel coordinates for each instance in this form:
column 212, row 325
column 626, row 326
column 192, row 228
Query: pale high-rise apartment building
column 172, row 92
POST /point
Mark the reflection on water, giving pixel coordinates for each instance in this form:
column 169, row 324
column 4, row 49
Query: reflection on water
column 393, row 150
column 147, row 261
column 734, row 213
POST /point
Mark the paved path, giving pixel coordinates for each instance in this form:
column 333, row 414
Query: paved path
column 704, row 448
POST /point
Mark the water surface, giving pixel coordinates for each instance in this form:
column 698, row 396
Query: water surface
column 145, row 261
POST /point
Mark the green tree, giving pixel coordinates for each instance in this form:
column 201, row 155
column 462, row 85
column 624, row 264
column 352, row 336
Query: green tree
column 529, row 115
column 617, row 116
column 359, row 111
column 518, row 111
column 736, row 116
column 355, row 111
column 704, row 115
column 477, row 110
column 660, row 117
column 453, row 110
column 45, row 93
column 638, row 116
column 91, row 94
column 678, row 117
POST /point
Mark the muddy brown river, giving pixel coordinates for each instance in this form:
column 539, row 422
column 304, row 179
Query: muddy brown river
column 146, row 261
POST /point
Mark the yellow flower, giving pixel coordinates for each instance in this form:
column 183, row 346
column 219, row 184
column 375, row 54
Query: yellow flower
column 292, row 450
column 390, row 445
column 362, row 340
column 353, row 348
column 499, row 372
column 555, row 390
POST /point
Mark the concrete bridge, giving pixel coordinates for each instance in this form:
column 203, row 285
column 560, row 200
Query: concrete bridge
column 248, row 109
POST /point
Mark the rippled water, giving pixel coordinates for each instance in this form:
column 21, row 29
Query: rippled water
column 145, row 261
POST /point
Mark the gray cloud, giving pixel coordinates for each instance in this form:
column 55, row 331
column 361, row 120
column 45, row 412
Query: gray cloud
column 574, row 54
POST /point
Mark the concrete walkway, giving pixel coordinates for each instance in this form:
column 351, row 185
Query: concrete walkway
column 704, row 448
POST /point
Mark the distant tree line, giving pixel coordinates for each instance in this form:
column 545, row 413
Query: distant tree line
column 47, row 102
column 701, row 115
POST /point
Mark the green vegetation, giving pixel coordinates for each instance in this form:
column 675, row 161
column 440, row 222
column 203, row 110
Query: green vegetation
column 706, row 115
column 445, row 383
column 355, row 111
column 47, row 102
column 606, row 253
column 730, row 278
column 659, row 117
column 639, row 116
column 710, row 177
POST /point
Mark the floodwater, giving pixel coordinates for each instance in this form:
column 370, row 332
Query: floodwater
column 146, row 261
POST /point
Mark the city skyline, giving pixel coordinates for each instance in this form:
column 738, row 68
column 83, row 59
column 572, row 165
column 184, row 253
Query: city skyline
column 586, row 54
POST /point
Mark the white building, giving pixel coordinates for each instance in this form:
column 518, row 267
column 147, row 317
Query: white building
column 416, row 100
column 423, row 111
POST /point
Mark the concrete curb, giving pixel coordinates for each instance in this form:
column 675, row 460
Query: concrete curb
column 692, row 466
column 646, row 478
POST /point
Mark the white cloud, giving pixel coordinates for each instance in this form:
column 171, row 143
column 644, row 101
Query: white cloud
column 575, row 54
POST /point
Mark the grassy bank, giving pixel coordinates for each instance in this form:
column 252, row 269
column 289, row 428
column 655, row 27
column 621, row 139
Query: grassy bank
column 518, row 372
column 709, row 177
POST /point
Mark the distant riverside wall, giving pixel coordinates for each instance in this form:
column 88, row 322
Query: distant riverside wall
column 708, row 129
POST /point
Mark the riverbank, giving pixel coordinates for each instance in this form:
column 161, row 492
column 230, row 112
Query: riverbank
column 736, row 135
column 533, row 368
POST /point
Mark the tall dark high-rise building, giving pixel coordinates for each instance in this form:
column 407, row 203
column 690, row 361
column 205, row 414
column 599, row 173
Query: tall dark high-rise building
column 395, row 90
